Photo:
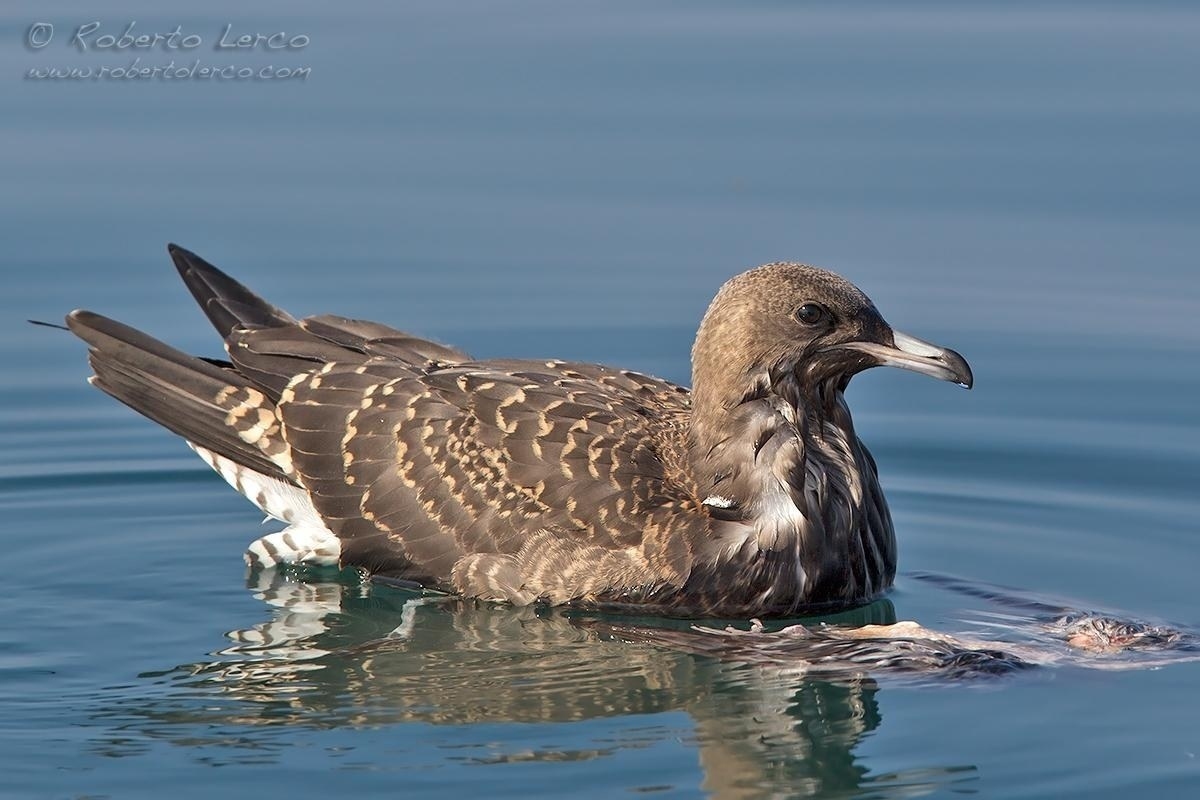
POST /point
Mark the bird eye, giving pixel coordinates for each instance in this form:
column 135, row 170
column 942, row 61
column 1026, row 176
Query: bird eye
column 810, row 313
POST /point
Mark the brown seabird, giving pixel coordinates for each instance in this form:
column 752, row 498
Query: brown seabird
column 547, row 481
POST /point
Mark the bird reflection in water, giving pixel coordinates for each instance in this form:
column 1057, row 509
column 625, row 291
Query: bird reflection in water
column 780, row 710
column 337, row 653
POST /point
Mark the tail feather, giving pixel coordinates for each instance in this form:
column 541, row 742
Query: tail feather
column 228, row 407
column 187, row 395
column 227, row 303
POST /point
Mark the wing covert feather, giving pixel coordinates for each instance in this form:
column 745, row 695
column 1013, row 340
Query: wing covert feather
column 450, row 475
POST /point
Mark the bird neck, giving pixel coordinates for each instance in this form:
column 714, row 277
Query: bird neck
column 758, row 428
column 782, row 461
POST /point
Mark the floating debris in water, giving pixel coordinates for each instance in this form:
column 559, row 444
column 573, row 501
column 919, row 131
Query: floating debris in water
column 1044, row 635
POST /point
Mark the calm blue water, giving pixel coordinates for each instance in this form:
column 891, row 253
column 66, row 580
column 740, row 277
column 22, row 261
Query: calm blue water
column 1018, row 181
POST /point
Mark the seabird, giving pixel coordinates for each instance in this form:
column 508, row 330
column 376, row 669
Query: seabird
column 547, row 481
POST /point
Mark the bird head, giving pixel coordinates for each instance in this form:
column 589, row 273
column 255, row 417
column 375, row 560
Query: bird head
column 808, row 327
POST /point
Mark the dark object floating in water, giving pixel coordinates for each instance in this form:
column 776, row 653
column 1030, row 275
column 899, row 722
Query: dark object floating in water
column 1026, row 633
column 547, row 481
column 899, row 649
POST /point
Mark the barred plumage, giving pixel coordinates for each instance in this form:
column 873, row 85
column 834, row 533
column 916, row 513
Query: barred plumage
column 552, row 481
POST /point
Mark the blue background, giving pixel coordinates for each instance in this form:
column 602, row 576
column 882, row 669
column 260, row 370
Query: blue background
column 1019, row 181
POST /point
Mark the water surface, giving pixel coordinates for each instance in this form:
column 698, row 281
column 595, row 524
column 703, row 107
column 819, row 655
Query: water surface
column 1017, row 181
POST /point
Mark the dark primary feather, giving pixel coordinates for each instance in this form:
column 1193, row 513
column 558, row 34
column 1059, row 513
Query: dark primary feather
column 184, row 394
column 526, row 480
column 225, row 302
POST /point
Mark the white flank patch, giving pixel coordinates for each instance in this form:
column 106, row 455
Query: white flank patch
column 305, row 540
column 717, row 501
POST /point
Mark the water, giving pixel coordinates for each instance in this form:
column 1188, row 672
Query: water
column 1017, row 181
